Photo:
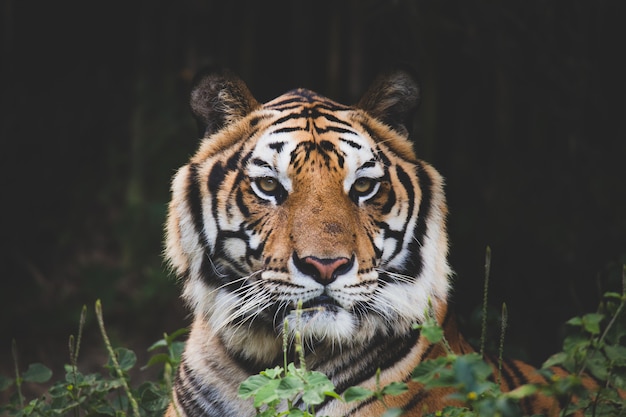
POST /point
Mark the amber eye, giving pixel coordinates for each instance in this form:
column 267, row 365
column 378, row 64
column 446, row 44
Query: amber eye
column 363, row 185
column 267, row 184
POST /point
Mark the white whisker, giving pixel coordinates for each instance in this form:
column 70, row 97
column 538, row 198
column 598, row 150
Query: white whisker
column 401, row 278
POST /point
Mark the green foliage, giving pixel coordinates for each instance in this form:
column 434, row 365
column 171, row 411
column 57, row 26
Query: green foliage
column 272, row 386
column 78, row 394
column 595, row 346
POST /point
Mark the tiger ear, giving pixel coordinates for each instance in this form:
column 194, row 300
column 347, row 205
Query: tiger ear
column 219, row 98
column 393, row 99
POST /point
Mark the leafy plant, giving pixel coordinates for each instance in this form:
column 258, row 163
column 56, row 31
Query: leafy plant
column 276, row 389
column 594, row 346
column 95, row 394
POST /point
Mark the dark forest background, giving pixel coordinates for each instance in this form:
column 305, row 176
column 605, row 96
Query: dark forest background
column 523, row 111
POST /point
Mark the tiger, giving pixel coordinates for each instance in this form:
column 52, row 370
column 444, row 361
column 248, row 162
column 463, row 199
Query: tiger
column 318, row 214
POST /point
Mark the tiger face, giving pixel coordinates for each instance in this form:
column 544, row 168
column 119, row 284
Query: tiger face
column 306, row 210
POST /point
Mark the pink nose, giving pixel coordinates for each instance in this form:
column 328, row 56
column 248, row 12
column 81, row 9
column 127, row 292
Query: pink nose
column 327, row 270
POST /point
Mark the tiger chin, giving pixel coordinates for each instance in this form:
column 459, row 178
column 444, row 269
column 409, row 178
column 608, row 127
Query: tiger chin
column 318, row 213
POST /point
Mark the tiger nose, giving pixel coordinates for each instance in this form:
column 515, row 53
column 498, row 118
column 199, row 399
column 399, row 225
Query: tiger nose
column 323, row 270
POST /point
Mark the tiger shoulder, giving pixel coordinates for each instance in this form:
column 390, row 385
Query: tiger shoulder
column 303, row 201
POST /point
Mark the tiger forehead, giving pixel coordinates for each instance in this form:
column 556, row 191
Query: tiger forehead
column 307, row 127
column 304, row 110
column 305, row 98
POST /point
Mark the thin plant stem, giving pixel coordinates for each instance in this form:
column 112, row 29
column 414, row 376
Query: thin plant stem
column 74, row 346
column 483, row 334
column 18, row 377
column 285, row 344
column 81, row 325
column 116, row 365
column 505, row 317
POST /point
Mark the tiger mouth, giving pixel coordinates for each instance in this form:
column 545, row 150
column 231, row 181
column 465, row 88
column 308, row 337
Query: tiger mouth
column 321, row 302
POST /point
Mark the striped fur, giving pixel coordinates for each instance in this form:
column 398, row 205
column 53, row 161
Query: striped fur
column 306, row 200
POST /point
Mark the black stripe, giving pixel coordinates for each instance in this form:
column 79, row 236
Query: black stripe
column 415, row 400
column 194, row 397
column 388, row 233
column 215, row 181
column 195, row 204
column 351, row 143
column 288, row 106
column 332, row 129
column 243, row 208
column 382, row 353
column 413, row 264
column 526, row 401
column 368, row 164
column 331, row 118
column 289, row 99
column 303, row 95
column 427, row 352
column 415, row 261
column 288, row 130
column 419, row 396
column 391, row 197
column 362, row 404
column 504, row 374
column 290, row 116
column 277, row 146
column 261, row 163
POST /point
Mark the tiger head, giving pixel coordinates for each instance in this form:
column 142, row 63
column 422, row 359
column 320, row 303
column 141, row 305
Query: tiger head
column 306, row 210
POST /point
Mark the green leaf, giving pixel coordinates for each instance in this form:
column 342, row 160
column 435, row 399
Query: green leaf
column 252, row 385
column 37, row 372
column 597, row 366
column 614, row 295
column 267, row 393
column 313, row 396
column 434, row 334
column 395, row 388
column 431, row 330
column 555, row 359
column 289, row 387
column 357, row 394
column 176, row 350
column 430, row 369
column 152, row 400
column 273, row 373
column 471, row 372
column 591, row 322
column 126, row 358
column 170, row 338
column 522, row 391
column 616, row 353
column 316, row 388
column 156, row 359
column 319, row 380
column 576, row 321
column 158, row 344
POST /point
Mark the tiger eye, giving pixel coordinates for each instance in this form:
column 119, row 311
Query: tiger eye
column 267, row 184
column 363, row 185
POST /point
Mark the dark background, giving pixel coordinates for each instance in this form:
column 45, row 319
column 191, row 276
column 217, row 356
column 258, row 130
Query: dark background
column 523, row 111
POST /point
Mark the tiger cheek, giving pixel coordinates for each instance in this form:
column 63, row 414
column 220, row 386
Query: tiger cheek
column 276, row 249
